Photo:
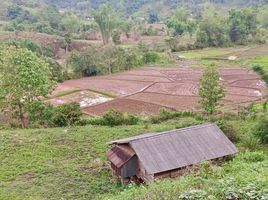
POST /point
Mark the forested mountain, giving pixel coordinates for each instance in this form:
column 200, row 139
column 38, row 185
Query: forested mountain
column 134, row 5
column 130, row 6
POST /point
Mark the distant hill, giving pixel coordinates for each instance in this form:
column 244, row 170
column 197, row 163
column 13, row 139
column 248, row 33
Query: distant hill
column 130, row 7
column 133, row 6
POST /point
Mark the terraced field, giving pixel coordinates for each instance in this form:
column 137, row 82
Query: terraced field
column 148, row 89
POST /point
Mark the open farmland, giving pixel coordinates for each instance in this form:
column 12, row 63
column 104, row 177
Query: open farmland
column 148, row 89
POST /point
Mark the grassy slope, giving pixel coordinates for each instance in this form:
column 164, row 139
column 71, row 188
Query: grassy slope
column 70, row 163
column 66, row 163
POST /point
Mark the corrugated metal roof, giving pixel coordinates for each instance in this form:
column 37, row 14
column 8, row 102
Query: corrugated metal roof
column 118, row 156
column 179, row 148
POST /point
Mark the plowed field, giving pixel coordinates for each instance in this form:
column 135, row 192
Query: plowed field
column 146, row 90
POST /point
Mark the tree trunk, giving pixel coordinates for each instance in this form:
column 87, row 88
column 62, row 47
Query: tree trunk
column 66, row 49
column 21, row 116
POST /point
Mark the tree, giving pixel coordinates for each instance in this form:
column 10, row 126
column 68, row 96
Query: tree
column 210, row 90
column 213, row 29
column 106, row 19
column 85, row 63
column 180, row 21
column 13, row 12
column 67, row 42
column 242, row 24
column 153, row 17
column 24, row 78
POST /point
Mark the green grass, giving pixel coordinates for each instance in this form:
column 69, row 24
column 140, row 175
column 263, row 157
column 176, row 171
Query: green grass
column 261, row 60
column 62, row 94
column 102, row 93
column 70, row 163
column 205, row 53
column 63, row 163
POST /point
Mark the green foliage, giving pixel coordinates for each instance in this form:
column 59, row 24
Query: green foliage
column 261, row 130
column 229, row 131
column 260, row 69
column 255, row 156
column 66, row 114
column 250, row 142
column 211, row 90
column 153, row 17
column 109, row 59
column 106, row 19
column 193, row 194
column 150, row 31
column 150, row 57
column 181, row 22
column 242, row 24
column 165, row 115
column 212, row 31
column 116, row 37
column 23, row 79
column 85, row 62
column 111, row 118
column 45, row 115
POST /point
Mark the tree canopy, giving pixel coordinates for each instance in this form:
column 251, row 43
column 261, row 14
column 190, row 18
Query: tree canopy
column 24, row 78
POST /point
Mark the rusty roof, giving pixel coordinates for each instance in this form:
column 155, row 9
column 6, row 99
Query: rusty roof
column 170, row 150
column 119, row 156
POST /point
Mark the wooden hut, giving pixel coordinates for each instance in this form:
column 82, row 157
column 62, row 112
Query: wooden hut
column 156, row 155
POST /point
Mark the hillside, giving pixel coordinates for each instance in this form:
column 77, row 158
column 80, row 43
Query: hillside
column 129, row 6
column 70, row 163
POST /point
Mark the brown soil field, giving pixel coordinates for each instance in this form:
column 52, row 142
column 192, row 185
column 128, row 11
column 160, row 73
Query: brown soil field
column 179, row 89
column 114, row 87
column 135, row 107
column 185, row 103
column 146, row 90
column 252, row 52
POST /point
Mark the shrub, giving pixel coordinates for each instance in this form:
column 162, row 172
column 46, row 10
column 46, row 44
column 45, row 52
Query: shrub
column 116, row 37
column 151, row 57
column 193, row 194
column 261, row 130
column 111, row 118
column 40, row 113
column 116, row 118
column 165, row 115
column 260, row 70
column 66, row 114
column 229, row 131
column 46, row 115
column 250, row 142
column 255, row 156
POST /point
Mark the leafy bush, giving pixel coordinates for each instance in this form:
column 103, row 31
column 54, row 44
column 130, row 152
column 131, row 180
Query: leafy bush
column 115, row 118
column 255, row 156
column 193, row 195
column 229, row 131
column 250, row 142
column 111, row 118
column 151, row 57
column 116, row 37
column 165, row 115
column 261, row 130
column 260, row 70
column 46, row 115
column 66, row 114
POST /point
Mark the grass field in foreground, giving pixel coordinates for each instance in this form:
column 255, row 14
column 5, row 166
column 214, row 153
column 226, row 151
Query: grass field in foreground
column 63, row 163
column 70, row 163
